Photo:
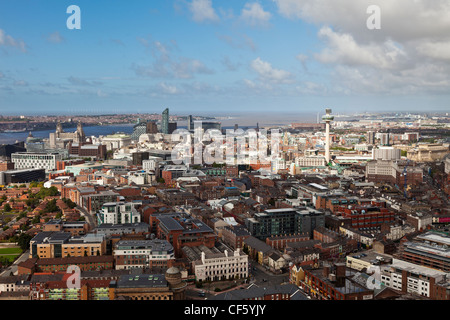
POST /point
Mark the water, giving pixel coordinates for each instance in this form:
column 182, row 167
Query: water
column 243, row 120
column 11, row 137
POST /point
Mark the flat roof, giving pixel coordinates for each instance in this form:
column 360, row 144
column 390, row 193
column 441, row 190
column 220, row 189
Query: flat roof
column 318, row 186
column 155, row 244
column 142, row 281
column 435, row 237
column 404, row 265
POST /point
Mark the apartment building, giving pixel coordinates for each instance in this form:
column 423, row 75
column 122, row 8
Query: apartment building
column 393, row 172
column 411, row 278
column 63, row 244
column 273, row 222
column 131, row 254
column 118, row 213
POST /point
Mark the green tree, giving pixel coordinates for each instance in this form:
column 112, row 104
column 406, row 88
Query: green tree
column 24, row 241
column 7, row 208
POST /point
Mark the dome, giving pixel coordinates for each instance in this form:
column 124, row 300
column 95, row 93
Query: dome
column 173, row 270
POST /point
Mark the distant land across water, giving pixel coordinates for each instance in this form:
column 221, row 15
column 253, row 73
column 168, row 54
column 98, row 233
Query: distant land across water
column 243, row 120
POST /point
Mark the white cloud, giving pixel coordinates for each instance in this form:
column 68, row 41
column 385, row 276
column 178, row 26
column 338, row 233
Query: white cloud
column 229, row 65
column 439, row 50
column 82, row 82
column 202, row 10
column 9, row 41
column 20, row 83
column 267, row 73
column 254, row 15
column 168, row 89
column 408, row 55
column 239, row 41
column 55, row 37
column 342, row 48
column 101, row 94
column 400, row 19
column 167, row 66
column 313, row 88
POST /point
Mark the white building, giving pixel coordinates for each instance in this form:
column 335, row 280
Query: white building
column 139, row 177
column 386, row 153
column 221, row 266
column 118, row 212
column 418, row 279
column 310, row 161
column 116, row 141
column 35, row 160
column 278, row 164
column 151, row 163
column 132, row 254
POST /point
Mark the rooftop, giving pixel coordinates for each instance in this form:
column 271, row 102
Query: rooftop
column 142, row 281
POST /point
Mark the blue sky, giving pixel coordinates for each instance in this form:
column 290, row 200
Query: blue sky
column 204, row 56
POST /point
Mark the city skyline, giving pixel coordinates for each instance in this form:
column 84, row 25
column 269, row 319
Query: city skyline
column 201, row 56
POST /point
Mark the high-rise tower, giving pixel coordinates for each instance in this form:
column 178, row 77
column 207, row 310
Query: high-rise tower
column 190, row 123
column 165, row 121
column 327, row 118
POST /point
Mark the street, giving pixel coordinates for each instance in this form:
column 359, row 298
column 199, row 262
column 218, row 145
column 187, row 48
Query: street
column 13, row 268
column 89, row 218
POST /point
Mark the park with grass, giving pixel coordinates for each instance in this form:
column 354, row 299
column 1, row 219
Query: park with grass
column 9, row 254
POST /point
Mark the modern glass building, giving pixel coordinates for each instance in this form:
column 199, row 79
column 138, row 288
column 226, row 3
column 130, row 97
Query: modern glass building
column 165, row 121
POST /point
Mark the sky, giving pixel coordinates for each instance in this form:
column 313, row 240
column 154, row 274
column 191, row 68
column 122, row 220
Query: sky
column 224, row 56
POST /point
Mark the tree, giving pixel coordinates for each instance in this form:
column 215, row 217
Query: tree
column 161, row 180
column 7, row 208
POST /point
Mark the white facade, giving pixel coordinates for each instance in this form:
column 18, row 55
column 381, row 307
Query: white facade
column 386, row 153
column 381, row 167
column 151, row 163
column 26, row 160
column 152, row 252
column 221, row 266
column 116, row 141
column 278, row 164
column 311, row 161
column 417, row 278
column 118, row 212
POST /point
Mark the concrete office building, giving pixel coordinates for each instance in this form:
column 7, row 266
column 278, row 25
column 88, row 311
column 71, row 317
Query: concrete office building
column 132, row 254
column 21, row 176
column 26, row 160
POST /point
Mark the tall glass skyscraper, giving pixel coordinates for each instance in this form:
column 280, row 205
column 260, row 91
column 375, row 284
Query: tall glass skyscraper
column 165, row 121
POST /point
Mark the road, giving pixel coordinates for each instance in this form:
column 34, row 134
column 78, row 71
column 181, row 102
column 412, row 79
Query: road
column 13, row 268
column 262, row 277
column 89, row 218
